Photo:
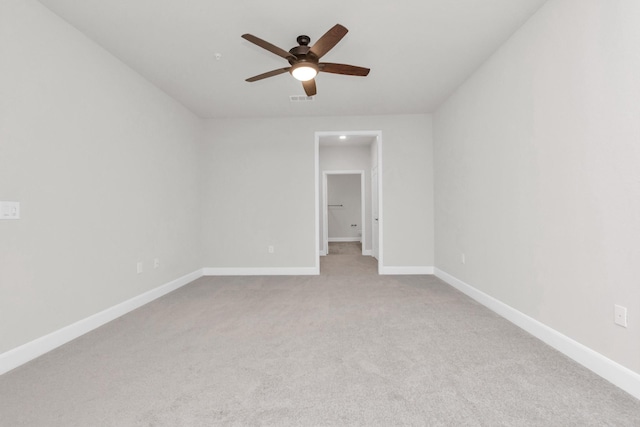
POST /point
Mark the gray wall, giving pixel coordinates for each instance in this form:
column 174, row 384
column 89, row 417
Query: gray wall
column 104, row 166
column 538, row 179
column 258, row 178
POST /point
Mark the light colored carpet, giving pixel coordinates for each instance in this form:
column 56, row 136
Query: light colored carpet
column 335, row 349
column 345, row 259
column 345, row 248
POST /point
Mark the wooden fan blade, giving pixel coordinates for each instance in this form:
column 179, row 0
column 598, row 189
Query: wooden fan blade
column 350, row 70
column 268, row 46
column 309, row 87
column 268, row 74
column 328, row 40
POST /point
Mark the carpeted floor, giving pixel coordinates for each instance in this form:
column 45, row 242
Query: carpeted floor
column 345, row 259
column 345, row 248
column 347, row 347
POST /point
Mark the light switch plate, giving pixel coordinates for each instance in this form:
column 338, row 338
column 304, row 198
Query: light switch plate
column 9, row 210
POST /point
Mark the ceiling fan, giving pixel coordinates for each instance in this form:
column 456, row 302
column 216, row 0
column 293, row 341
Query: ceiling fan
column 304, row 60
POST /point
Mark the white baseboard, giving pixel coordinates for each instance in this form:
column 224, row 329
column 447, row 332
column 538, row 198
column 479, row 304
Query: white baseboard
column 344, row 239
column 29, row 351
column 262, row 271
column 406, row 270
column 613, row 372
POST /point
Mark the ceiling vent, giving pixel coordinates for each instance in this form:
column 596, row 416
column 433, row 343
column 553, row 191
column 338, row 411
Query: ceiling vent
column 301, row 98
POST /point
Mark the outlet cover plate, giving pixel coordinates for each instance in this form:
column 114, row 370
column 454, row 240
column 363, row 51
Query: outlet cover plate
column 620, row 315
column 9, row 210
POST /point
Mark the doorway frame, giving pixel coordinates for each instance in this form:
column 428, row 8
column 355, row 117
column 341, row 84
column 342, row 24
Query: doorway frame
column 378, row 135
column 325, row 207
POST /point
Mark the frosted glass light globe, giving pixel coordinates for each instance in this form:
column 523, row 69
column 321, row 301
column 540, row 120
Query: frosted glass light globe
column 304, row 72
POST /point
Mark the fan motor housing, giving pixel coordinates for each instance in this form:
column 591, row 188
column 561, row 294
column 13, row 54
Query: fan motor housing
column 302, row 53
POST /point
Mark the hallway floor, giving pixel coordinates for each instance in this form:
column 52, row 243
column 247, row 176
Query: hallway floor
column 346, row 259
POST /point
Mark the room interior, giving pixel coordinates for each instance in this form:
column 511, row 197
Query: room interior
column 143, row 161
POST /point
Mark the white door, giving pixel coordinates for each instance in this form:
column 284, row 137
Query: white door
column 374, row 212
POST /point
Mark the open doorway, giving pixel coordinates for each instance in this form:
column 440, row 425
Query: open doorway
column 344, row 201
column 350, row 153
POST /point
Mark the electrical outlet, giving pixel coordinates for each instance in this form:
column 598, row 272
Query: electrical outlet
column 9, row 210
column 463, row 258
column 271, row 249
column 620, row 315
column 139, row 267
column 156, row 263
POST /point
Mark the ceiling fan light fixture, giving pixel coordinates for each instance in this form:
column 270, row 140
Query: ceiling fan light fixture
column 304, row 60
column 304, row 71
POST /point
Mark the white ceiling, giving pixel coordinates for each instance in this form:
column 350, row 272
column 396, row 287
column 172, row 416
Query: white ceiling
column 419, row 51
